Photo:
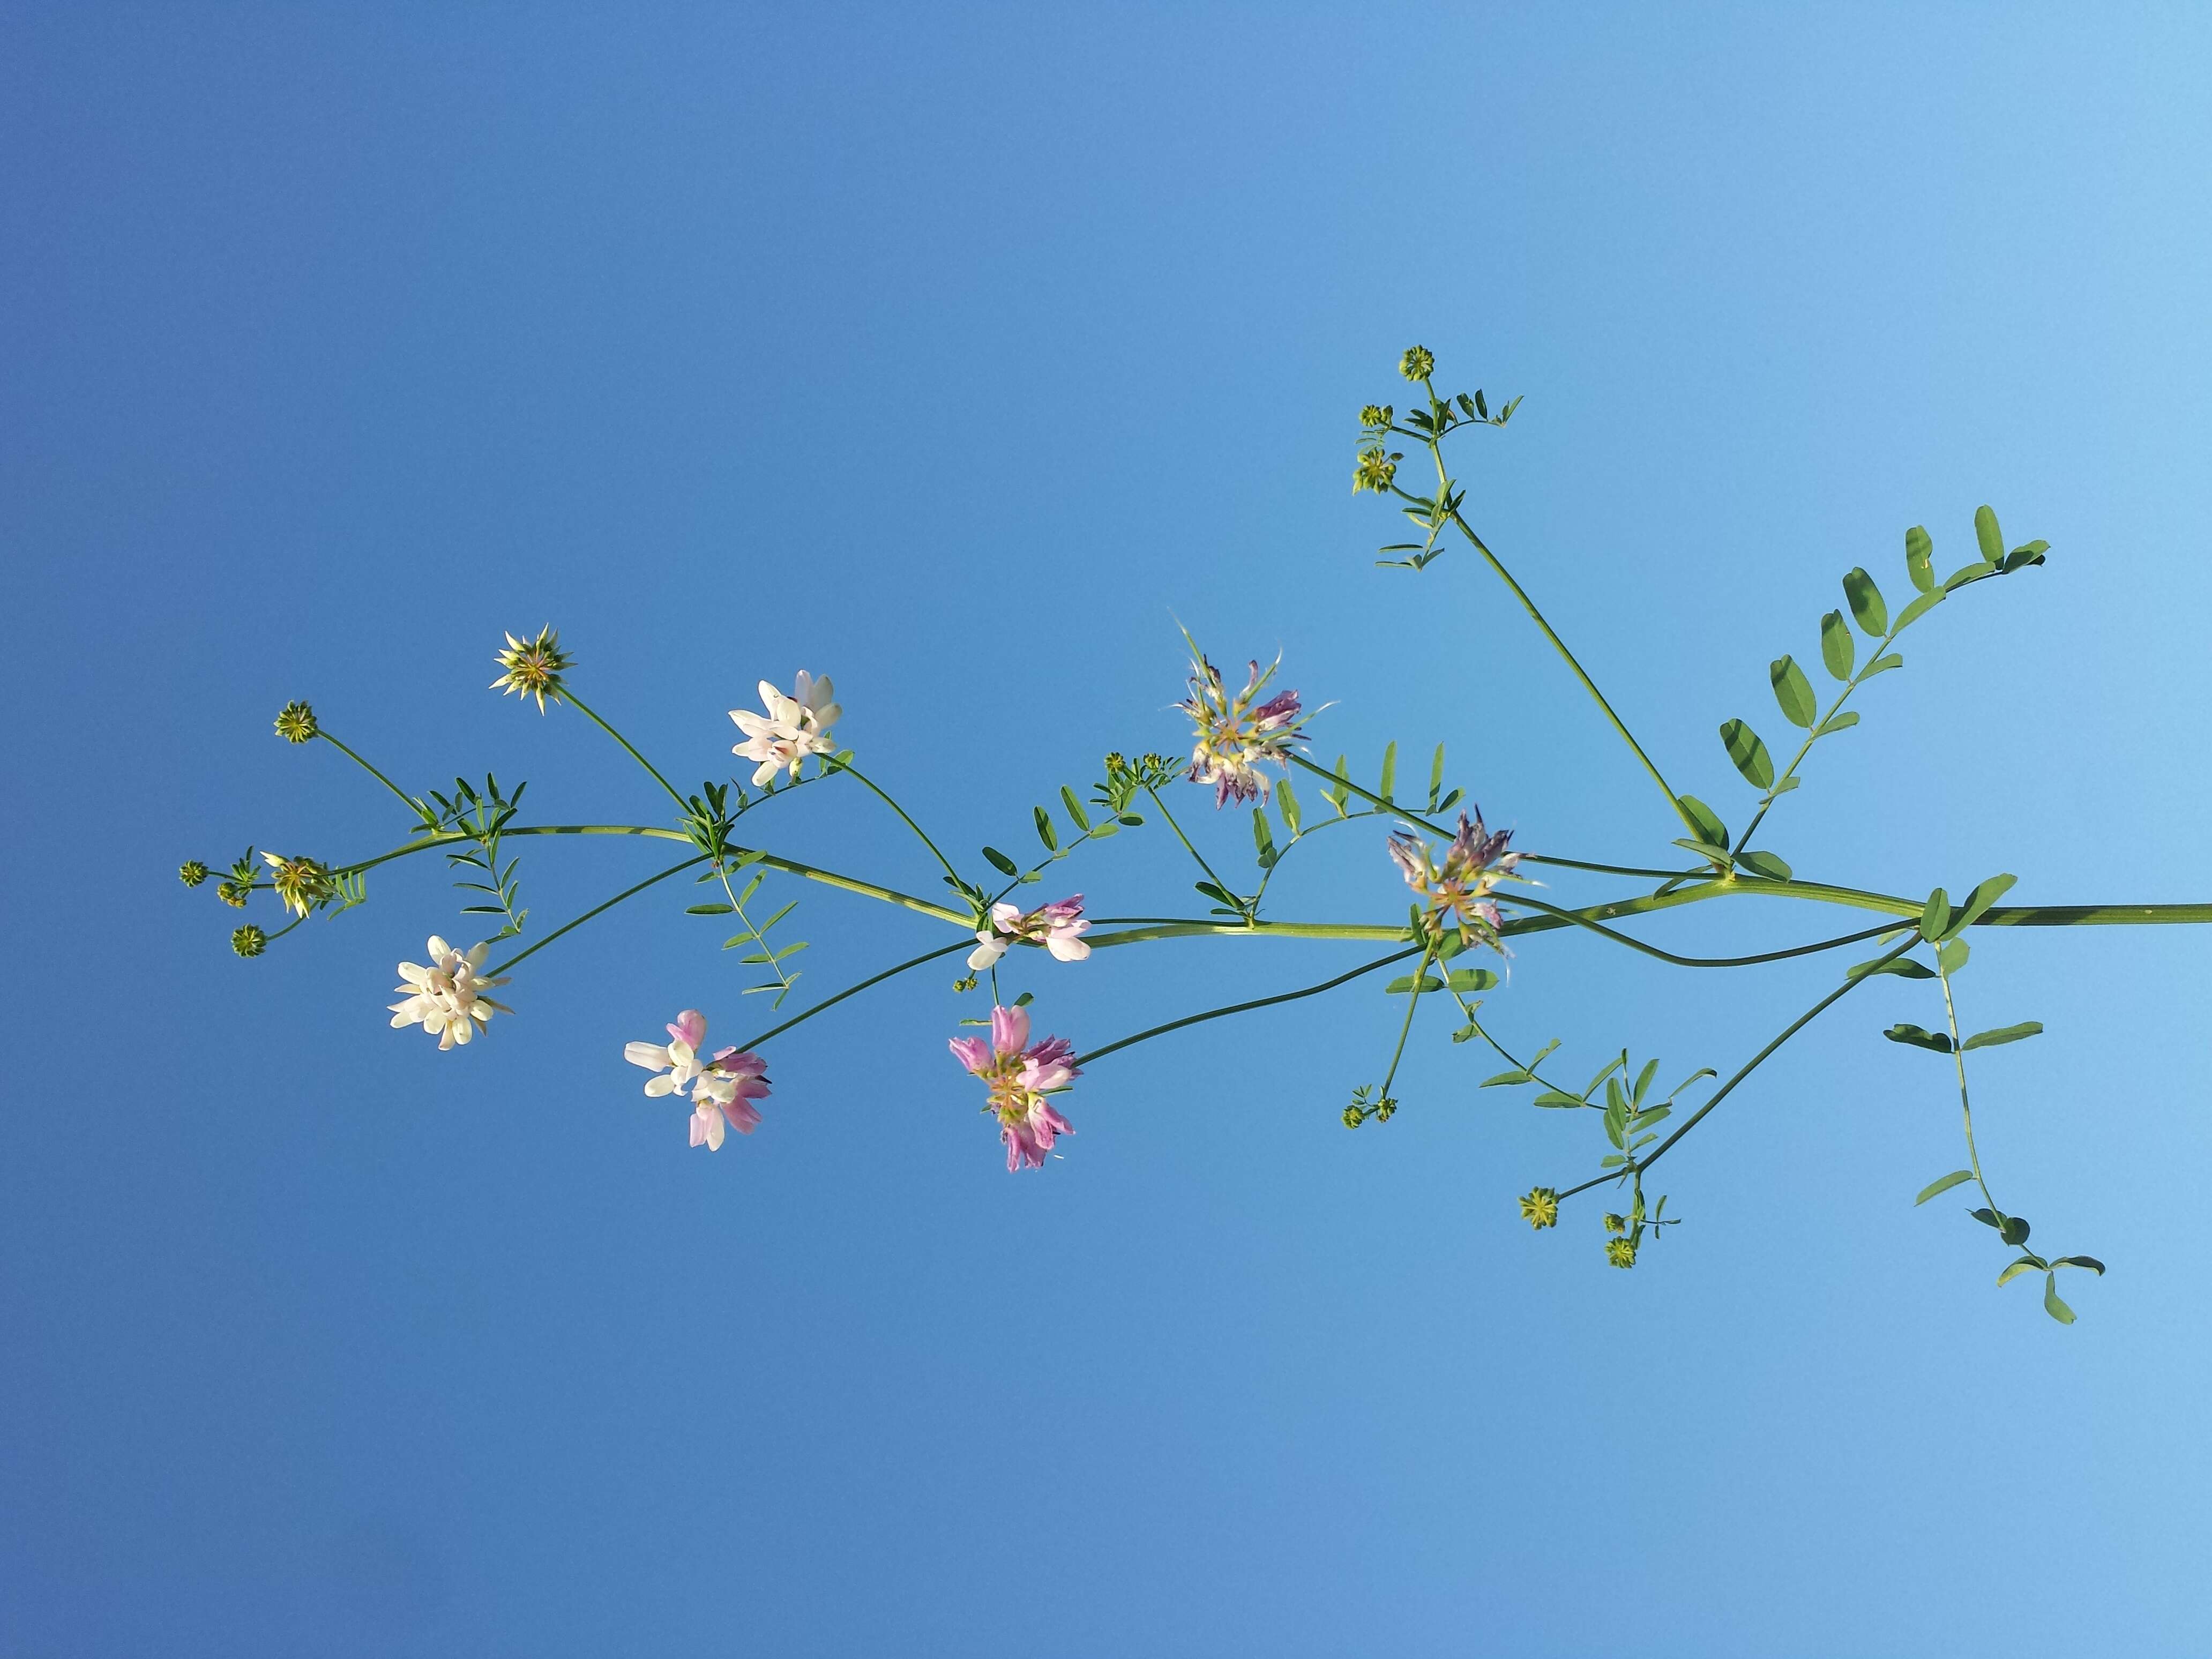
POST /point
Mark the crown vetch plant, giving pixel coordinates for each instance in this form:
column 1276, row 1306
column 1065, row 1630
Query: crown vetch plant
column 1469, row 893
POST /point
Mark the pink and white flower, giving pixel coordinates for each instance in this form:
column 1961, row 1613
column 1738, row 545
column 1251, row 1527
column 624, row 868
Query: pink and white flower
column 1234, row 735
column 723, row 1089
column 447, row 998
column 1059, row 926
column 1020, row 1076
column 1456, row 889
column 794, row 727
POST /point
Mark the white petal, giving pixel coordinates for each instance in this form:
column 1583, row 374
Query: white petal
column 654, row 1056
column 660, row 1086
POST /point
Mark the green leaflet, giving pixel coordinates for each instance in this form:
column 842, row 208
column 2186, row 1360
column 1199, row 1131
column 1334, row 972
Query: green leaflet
column 1838, row 651
column 1711, row 830
column 1765, row 863
column 1749, row 753
column 1943, row 1185
column 1987, row 537
column 1918, row 1038
column 1919, row 560
column 1792, row 691
column 2003, row 1033
column 1868, row 607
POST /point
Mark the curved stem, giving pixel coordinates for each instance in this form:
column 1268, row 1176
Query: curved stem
column 842, row 765
column 586, row 710
column 1245, row 1007
column 597, row 909
column 850, row 991
column 413, row 805
column 1599, row 928
column 1747, row 1068
column 1589, row 685
column 1185, row 840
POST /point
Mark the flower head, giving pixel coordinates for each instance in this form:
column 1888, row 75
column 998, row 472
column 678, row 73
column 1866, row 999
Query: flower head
column 249, row 940
column 1378, row 415
column 301, row 882
column 1616, row 1224
column 723, row 1089
column 1620, row 1252
column 295, row 723
column 1235, row 734
column 448, row 999
column 233, row 893
column 533, row 668
column 1020, row 1076
column 1456, row 889
column 795, row 726
column 191, row 872
column 1059, row 926
column 1539, row 1207
column 1376, row 467
column 1417, row 364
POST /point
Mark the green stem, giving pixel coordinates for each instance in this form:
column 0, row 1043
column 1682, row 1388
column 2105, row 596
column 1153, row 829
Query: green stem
column 1748, row 1067
column 1965, row 1107
column 1412, row 1001
column 1580, row 920
column 1244, row 1007
column 1185, row 840
column 585, row 709
column 849, row 991
column 597, row 909
column 842, row 765
column 1589, row 685
column 413, row 805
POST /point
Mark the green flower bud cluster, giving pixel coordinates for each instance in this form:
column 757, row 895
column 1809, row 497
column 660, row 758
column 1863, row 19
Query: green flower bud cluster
column 1417, row 364
column 249, row 940
column 1620, row 1252
column 191, row 872
column 1539, row 1207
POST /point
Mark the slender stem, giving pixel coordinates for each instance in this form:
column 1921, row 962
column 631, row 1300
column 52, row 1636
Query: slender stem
column 1748, row 1067
column 413, row 805
column 1775, row 791
column 627, row 892
column 1185, row 840
column 1580, row 920
column 847, row 766
column 1965, row 1107
column 1589, row 685
column 1412, row 1001
column 585, row 709
column 1245, row 1007
column 850, row 990
column 1483, row 1031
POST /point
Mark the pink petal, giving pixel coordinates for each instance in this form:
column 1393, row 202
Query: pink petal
column 690, row 1028
column 1010, row 1029
column 972, row 1052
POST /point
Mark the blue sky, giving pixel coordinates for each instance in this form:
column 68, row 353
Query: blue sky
column 960, row 354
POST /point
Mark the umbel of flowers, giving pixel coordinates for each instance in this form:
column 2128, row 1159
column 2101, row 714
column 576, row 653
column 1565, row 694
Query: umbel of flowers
column 1249, row 749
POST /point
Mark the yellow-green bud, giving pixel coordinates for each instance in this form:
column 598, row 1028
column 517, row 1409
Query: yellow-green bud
column 295, row 723
column 249, row 940
column 1616, row 1224
column 1539, row 1207
column 1620, row 1252
column 191, row 872
column 533, row 668
column 1353, row 1117
column 1378, row 415
column 1385, row 1109
column 1375, row 469
column 1417, row 364
column 233, row 893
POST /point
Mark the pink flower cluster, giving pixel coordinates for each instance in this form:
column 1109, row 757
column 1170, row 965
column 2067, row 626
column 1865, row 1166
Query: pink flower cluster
column 1233, row 734
column 723, row 1089
column 1020, row 1076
